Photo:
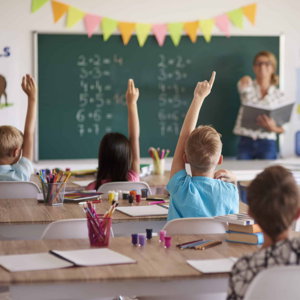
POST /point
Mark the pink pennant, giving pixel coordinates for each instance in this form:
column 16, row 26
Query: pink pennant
column 159, row 31
column 91, row 23
column 223, row 23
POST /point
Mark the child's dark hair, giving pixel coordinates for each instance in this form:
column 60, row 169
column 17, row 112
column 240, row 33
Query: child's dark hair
column 114, row 158
column 274, row 200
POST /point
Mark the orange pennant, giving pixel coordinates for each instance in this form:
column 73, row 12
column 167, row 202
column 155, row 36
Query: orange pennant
column 59, row 9
column 191, row 29
column 250, row 12
column 126, row 31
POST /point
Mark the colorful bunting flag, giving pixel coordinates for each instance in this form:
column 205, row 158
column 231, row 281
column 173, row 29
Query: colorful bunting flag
column 37, row 4
column 59, row 9
column 91, row 23
column 108, row 27
column 74, row 15
column 126, row 30
column 250, row 12
column 159, row 31
column 206, row 27
column 223, row 23
column 175, row 30
column 142, row 31
column 236, row 17
column 191, row 30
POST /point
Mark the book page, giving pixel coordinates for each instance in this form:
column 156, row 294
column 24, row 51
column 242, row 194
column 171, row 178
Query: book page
column 94, row 257
column 32, row 262
column 143, row 211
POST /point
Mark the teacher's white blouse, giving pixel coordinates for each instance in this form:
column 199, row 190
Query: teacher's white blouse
column 252, row 95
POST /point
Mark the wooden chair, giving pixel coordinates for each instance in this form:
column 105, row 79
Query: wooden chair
column 18, row 189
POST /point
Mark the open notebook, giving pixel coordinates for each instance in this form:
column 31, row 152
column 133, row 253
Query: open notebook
column 63, row 259
column 143, row 211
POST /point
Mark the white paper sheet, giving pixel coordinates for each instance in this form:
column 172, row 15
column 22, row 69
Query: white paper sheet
column 143, row 211
column 95, row 257
column 213, row 265
column 83, row 183
column 32, row 262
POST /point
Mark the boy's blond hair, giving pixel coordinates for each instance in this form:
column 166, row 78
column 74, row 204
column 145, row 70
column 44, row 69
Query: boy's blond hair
column 203, row 148
column 10, row 139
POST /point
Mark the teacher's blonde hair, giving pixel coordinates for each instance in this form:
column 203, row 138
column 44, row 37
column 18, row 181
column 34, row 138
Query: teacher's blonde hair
column 272, row 58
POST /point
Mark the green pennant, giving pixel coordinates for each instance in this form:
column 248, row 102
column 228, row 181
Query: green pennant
column 175, row 30
column 236, row 17
column 108, row 27
column 142, row 32
column 37, row 4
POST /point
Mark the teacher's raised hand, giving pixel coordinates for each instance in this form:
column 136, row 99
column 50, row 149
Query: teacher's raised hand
column 245, row 82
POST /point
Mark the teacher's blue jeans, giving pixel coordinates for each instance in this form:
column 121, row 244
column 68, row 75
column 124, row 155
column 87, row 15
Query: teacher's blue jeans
column 249, row 148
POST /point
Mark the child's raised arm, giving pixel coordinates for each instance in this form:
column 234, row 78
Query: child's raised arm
column 132, row 96
column 202, row 90
column 29, row 87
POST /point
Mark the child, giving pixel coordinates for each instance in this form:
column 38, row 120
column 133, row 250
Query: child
column 273, row 199
column 13, row 143
column 119, row 158
column 200, row 195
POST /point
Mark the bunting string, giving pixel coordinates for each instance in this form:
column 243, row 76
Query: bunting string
column 95, row 22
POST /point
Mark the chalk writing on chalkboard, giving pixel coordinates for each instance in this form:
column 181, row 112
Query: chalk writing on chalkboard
column 170, row 73
column 94, row 95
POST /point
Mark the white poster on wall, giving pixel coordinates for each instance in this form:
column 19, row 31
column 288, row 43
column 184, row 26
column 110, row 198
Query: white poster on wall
column 10, row 83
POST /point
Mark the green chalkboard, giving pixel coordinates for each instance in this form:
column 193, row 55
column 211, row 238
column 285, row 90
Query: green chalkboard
column 82, row 83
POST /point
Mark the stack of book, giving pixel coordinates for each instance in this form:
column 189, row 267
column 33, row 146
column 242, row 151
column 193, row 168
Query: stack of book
column 242, row 229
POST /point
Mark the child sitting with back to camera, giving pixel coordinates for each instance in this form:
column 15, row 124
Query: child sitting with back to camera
column 119, row 157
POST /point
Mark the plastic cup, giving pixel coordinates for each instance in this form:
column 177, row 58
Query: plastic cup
column 167, row 241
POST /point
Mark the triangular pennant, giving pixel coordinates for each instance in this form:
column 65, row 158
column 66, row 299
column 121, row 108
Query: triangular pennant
column 191, row 30
column 108, row 27
column 298, row 109
column 126, row 30
column 37, row 4
column 236, row 17
column 175, row 30
column 206, row 27
column 91, row 23
column 223, row 23
column 59, row 9
column 159, row 31
column 142, row 32
column 250, row 12
column 74, row 15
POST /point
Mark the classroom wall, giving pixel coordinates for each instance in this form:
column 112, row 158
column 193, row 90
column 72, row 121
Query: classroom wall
column 273, row 17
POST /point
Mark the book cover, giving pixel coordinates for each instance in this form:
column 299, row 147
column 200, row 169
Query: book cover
column 246, row 238
column 255, row 228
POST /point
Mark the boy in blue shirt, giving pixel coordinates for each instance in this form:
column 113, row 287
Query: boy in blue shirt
column 13, row 144
column 206, row 193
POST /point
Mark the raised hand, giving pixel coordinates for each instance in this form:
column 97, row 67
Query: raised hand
column 132, row 94
column 245, row 82
column 203, row 88
column 29, row 87
column 226, row 176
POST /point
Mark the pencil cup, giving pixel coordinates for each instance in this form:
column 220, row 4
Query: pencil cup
column 99, row 231
column 159, row 166
column 54, row 193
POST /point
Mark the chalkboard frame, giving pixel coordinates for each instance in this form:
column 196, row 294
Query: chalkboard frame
column 35, row 34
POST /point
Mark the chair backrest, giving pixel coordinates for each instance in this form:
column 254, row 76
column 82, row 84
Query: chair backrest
column 194, row 226
column 124, row 186
column 274, row 284
column 66, row 229
column 18, row 189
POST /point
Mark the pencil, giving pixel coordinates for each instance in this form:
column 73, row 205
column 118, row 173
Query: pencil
column 209, row 245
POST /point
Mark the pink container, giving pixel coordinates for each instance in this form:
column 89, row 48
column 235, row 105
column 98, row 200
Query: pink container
column 167, row 241
column 138, row 198
column 99, row 231
column 162, row 235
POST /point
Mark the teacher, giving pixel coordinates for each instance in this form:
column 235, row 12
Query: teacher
column 260, row 143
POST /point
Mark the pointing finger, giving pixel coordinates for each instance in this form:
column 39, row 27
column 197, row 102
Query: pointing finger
column 212, row 79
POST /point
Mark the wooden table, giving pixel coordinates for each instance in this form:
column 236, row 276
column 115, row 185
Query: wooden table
column 158, row 271
column 27, row 219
